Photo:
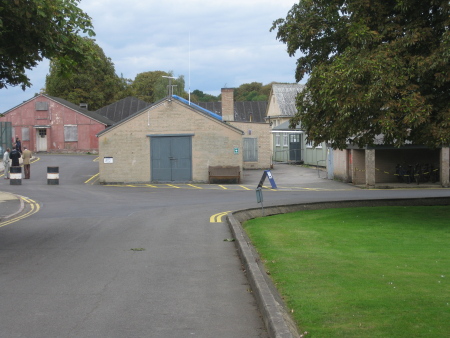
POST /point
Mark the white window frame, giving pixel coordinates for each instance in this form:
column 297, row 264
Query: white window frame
column 277, row 139
column 285, row 139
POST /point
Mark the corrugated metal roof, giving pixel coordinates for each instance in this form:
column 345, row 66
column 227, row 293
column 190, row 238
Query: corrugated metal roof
column 244, row 111
column 285, row 96
column 121, row 109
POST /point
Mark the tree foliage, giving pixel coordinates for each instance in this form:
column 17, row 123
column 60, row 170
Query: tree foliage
column 94, row 83
column 378, row 67
column 254, row 91
column 152, row 86
column 199, row 96
column 36, row 29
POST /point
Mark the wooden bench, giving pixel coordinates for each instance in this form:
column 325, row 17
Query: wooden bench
column 224, row 173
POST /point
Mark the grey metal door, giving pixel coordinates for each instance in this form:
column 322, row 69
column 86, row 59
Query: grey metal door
column 171, row 158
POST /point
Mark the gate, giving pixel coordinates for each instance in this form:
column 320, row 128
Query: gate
column 5, row 136
column 171, row 158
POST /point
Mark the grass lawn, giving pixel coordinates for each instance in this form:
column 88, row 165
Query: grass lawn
column 361, row 272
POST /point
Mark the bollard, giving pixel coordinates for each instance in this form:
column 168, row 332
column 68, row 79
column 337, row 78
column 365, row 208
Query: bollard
column 15, row 175
column 53, row 175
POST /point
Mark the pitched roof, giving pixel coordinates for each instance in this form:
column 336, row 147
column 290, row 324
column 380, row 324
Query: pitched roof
column 121, row 109
column 194, row 106
column 90, row 114
column 285, row 96
column 198, row 107
column 285, row 127
column 244, row 111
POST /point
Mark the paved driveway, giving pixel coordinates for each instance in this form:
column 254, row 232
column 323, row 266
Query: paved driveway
column 103, row 261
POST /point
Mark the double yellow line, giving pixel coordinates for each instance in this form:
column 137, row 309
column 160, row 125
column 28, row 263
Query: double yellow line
column 34, row 208
column 217, row 218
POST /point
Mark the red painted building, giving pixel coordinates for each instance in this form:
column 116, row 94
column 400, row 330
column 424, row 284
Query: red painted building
column 51, row 124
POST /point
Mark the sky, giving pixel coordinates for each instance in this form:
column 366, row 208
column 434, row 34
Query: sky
column 214, row 44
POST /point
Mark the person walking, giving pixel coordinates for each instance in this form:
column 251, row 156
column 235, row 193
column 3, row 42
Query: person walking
column 18, row 144
column 6, row 163
column 26, row 155
column 14, row 155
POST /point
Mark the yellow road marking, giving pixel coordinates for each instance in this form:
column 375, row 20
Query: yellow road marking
column 173, row 186
column 92, row 177
column 217, row 218
column 151, row 186
column 34, row 208
column 243, row 187
column 194, row 186
column 223, row 187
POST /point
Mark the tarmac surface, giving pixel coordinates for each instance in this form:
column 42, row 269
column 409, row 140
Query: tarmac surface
column 287, row 178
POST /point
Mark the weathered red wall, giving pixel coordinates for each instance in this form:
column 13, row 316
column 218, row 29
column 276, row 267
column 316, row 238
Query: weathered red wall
column 57, row 116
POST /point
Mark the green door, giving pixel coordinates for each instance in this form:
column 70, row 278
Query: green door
column 171, row 158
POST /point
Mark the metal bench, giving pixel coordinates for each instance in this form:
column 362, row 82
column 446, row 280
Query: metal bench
column 224, row 173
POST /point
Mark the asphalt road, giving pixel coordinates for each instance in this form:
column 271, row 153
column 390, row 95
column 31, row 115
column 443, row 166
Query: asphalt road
column 137, row 261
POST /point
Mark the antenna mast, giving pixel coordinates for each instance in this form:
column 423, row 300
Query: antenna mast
column 170, row 85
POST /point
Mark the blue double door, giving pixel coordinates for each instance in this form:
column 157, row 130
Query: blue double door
column 171, row 158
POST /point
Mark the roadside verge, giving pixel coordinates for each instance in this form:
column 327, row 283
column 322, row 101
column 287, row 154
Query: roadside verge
column 273, row 310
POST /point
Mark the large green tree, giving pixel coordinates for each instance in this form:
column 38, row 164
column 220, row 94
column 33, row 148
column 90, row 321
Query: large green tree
column 32, row 30
column 94, row 83
column 376, row 67
column 153, row 86
column 254, row 91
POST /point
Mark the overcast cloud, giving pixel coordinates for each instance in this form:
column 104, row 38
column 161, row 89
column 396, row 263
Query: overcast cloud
column 214, row 44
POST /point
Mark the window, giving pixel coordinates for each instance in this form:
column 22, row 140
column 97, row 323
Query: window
column 25, row 134
column 277, row 139
column 41, row 105
column 70, row 133
column 285, row 139
column 309, row 144
column 250, row 149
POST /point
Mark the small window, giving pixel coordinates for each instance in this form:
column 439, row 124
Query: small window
column 277, row 139
column 285, row 139
column 295, row 138
column 309, row 144
column 70, row 133
column 41, row 105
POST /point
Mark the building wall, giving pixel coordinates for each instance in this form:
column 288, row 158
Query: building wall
column 260, row 131
column 357, row 166
column 56, row 117
column 315, row 155
column 213, row 143
column 341, row 165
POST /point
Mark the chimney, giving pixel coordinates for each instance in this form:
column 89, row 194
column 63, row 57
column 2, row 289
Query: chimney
column 227, row 104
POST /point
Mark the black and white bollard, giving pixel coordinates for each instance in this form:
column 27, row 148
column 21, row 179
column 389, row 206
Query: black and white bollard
column 15, row 175
column 53, row 175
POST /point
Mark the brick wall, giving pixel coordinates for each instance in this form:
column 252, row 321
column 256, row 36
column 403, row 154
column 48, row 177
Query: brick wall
column 261, row 131
column 227, row 104
column 128, row 143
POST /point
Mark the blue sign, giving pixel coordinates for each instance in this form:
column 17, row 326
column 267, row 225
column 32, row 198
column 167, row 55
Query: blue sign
column 267, row 174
